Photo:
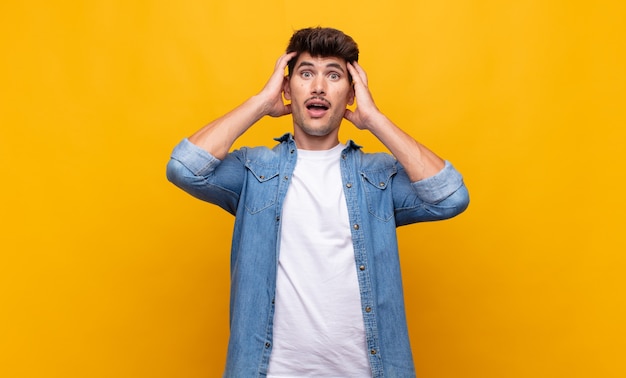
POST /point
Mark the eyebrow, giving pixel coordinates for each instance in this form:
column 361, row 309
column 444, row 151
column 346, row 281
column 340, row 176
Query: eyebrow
column 333, row 65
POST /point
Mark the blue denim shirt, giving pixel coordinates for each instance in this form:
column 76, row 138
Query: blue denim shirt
column 251, row 184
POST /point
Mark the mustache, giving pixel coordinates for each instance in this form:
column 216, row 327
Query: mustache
column 317, row 99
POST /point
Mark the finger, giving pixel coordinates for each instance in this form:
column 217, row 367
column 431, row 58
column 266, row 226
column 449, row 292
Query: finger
column 348, row 114
column 279, row 68
column 358, row 71
column 353, row 71
column 352, row 116
column 284, row 60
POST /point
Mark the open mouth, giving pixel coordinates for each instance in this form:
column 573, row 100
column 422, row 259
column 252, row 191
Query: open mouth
column 317, row 107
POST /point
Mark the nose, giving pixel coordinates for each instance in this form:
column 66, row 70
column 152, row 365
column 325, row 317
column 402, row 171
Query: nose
column 318, row 85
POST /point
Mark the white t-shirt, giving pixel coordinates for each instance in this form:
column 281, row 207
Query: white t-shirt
column 318, row 323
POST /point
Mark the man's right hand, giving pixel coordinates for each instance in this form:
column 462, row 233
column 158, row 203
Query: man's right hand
column 272, row 93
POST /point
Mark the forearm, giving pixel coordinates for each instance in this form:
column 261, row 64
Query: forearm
column 418, row 161
column 218, row 136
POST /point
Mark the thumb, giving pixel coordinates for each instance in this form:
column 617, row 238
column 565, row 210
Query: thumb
column 286, row 109
column 349, row 115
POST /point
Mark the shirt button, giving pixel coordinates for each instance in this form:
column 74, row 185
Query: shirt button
column 356, row 226
column 348, row 185
column 261, row 177
column 368, row 309
column 362, row 267
column 381, row 184
column 267, row 344
column 373, row 351
column 286, row 177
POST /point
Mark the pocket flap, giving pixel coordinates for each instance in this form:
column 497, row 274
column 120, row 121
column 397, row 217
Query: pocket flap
column 379, row 179
column 262, row 172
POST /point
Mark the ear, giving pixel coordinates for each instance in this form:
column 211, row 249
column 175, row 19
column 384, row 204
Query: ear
column 286, row 89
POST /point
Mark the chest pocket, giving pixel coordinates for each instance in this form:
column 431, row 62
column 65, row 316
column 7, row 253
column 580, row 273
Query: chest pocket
column 261, row 187
column 377, row 186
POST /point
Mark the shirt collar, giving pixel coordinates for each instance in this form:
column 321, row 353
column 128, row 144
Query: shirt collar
column 287, row 137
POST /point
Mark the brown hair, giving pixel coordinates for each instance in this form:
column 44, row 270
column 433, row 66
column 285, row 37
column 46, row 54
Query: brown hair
column 322, row 42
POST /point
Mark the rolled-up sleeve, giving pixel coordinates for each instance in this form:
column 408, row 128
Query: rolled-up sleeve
column 195, row 159
column 436, row 188
column 205, row 177
column 438, row 197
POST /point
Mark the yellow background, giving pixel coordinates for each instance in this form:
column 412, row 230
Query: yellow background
column 107, row 270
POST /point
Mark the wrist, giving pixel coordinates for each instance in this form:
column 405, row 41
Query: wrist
column 261, row 106
column 376, row 121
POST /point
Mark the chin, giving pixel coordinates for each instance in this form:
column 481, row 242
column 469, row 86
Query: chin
column 319, row 129
column 318, row 132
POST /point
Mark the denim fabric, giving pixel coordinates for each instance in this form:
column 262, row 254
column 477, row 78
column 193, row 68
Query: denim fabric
column 251, row 184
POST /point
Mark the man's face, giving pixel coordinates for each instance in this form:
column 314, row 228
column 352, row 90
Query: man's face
column 319, row 90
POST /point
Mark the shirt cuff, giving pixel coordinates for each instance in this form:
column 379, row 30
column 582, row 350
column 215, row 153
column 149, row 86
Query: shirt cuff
column 194, row 158
column 436, row 188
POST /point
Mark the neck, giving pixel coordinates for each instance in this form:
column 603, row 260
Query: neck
column 305, row 141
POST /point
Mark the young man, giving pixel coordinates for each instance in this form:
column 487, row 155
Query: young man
column 315, row 276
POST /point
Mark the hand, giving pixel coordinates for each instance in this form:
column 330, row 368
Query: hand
column 366, row 109
column 272, row 92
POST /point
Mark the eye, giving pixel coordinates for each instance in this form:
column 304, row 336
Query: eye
column 306, row 74
column 334, row 76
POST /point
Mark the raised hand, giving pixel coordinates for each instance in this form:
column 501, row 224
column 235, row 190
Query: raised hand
column 366, row 110
column 418, row 161
column 272, row 92
column 219, row 135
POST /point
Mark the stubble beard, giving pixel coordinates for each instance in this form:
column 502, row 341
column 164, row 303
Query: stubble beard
column 320, row 130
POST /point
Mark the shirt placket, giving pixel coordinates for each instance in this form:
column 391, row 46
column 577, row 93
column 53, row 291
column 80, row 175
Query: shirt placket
column 351, row 190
